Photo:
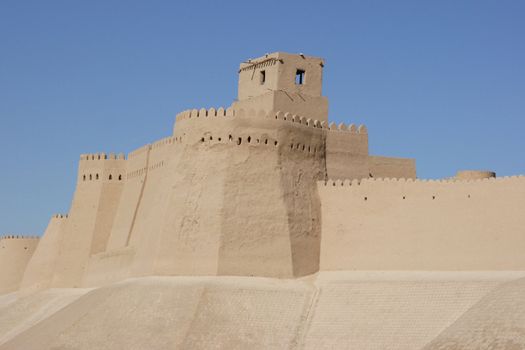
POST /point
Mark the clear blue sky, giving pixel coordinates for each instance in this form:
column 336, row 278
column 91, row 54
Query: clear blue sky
column 439, row 81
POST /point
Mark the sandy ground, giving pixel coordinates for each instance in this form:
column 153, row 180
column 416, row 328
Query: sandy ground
column 331, row 310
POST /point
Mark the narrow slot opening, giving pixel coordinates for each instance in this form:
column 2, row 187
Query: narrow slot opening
column 299, row 77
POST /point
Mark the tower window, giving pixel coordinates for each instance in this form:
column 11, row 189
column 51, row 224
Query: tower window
column 262, row 77
column 299, row 77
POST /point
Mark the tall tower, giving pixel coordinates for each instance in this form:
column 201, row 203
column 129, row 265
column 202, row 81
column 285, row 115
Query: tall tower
column 283, row 82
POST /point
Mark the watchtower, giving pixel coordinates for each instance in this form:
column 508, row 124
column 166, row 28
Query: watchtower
column 283, row 82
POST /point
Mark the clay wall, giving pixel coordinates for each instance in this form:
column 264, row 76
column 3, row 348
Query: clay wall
column 15, row 253
column 280, row 73
column 233, row 208
column 151, row 212
column 232, row 192
column 99, row 185
column 388, row 167
column 41, row 268
column 135, row 178
column 347, row 152
column 269, row 83
column 423, row 225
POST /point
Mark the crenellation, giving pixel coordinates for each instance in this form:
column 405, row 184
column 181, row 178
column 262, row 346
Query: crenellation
column 60, row 216
column 19, row 237
column 517, row 179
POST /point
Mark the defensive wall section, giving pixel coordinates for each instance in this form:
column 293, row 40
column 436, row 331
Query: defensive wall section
column 232, row 192
column 15, row 253
column 237, row 192
column 171, row 216
column 245, row 191
column 40, row 270
column 86, row 232
column 391, row 224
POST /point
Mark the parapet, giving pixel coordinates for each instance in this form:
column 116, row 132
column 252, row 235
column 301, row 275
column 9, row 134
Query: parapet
column 102, row 156
column 279, row 115
column 59, row 216
column 13, row 236
column 203, row 112
column 451, row 181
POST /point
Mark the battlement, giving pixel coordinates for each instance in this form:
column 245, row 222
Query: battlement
column 258, row 64
column 139, row 151
column 278, row 115
column 203, row 112
column 102, row 156
column 163, row 142
column 101, row 166
column 449, row 181
column 12, row 236
column 59, row 216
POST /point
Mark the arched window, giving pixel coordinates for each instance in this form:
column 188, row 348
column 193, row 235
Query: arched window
column 120, row 177
column 110, row 177
column 96, row 177
column 90, row 177
column 84, row 177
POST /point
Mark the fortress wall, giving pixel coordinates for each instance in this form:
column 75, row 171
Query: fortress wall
column 135, row 177
column 90, row 217
column 154, row 203
column 113, row 172
column 298, row 161
column 347, row 152
column 423, row 225
column 387, row 167
column 15, row 253
column 40, row 270
column 303, row 162
column 229, row 212
column 190, row 233
column 114, row 262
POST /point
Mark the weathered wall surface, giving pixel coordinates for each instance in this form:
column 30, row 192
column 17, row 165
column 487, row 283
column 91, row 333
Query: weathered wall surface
column 136, row 170
column 41, row 268
column 151, row 212
column 347, row 152
column 234, row 206
column 231, row 193
column 280, row 91
column 15, row 253
column 423, row 225
column 388, row 167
